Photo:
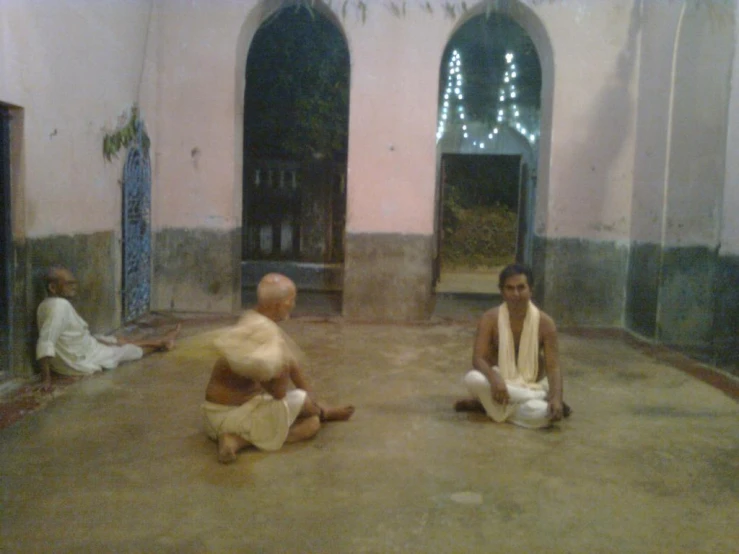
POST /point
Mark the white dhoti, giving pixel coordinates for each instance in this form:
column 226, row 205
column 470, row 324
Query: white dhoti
column 526, row 407
column 262, row 421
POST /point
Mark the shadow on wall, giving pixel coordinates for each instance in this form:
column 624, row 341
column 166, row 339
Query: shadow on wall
column 692, row 300
column 574, row 284
column 607, row 132
column 680, row 291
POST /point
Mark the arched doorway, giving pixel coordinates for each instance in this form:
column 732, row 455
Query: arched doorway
column 295, row 149
column 488, row 136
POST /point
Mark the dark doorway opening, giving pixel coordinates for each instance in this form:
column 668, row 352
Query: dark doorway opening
column 6, row 246
column 295, row 148
column 483, row 220
column 487, row 138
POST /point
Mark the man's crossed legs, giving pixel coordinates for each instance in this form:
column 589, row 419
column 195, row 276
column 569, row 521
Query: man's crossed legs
column 305, row 425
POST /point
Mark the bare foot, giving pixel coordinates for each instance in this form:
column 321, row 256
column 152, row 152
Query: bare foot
column 341, row 413
column 228, row 446
column 169, row 338
column 468, row 405
column 566, row 410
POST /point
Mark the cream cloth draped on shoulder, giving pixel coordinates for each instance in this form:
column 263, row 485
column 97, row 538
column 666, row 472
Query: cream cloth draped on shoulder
column 257, row 348
column 524, row 371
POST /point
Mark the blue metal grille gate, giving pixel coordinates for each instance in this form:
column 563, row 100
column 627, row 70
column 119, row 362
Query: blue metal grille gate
column 136, row 228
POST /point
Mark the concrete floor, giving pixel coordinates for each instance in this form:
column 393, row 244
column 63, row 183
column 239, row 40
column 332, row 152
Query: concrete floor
column 649, row 462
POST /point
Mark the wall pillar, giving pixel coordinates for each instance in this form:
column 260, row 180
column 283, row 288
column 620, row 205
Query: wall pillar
column 387, row 277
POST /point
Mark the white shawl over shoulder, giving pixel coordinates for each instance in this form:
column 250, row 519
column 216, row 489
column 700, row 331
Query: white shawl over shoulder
column 524, row 371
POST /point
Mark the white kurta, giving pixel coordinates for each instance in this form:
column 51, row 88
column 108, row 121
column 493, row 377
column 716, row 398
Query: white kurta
column 65, row 337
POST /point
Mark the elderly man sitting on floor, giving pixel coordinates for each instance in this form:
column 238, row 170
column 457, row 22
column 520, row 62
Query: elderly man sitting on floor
column 247, row 401
column 65, row 343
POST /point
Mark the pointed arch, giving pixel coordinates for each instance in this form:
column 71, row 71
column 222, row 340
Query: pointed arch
column 530, row 22
column 305, row 225
column 526, row 156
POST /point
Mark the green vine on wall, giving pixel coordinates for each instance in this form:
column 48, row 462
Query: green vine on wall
column 457, row 8
column 124, row 135
column 399, row 8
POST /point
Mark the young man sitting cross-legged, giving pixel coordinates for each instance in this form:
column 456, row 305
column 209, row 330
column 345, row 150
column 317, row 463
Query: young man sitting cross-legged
column 248, row 401
column 516, row 359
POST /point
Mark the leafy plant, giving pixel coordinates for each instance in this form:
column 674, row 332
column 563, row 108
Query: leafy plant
column 297, row 89
column 478, row 237
column 361, row 8
column 124, row 135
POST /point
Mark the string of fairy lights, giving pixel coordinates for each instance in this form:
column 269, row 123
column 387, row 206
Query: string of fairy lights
column 508, row 111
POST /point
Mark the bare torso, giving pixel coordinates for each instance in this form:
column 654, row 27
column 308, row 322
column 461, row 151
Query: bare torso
column 227, row 388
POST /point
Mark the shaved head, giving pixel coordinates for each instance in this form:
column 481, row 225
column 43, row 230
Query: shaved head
column 274, row 288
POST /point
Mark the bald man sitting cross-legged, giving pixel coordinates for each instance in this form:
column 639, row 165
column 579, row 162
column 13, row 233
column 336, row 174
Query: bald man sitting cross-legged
column 248, row 401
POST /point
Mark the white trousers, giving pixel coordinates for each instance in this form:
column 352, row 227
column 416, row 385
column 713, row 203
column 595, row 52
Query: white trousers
column 526, row 407
column 104, row 357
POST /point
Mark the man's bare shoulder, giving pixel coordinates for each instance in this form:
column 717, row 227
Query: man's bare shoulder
column 488, row 323
column 546, row 325
column 491, row 315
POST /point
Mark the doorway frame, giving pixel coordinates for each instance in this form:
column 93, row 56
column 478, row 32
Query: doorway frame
column 532, row 24
column 524, row 211
column 323, row 277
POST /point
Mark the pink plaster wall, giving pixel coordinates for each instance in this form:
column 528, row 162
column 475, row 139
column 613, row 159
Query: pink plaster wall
column 191, row 91
column 201, row 60
column 584, row 184
column 586, row 166
column 198, row 122
column 595, row 47
column 392, row 143
column 729, row 243
column 73, row 67
column 660, row 23
column 698, row 134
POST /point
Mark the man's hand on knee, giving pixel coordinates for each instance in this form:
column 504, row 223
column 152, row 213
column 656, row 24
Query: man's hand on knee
column 499, row 391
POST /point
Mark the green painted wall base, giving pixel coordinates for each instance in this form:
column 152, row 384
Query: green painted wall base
column 197, row 270
column 726, row 315
column 686, row 298
column 580, row 282
column 387, row 277
column 91, row 258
